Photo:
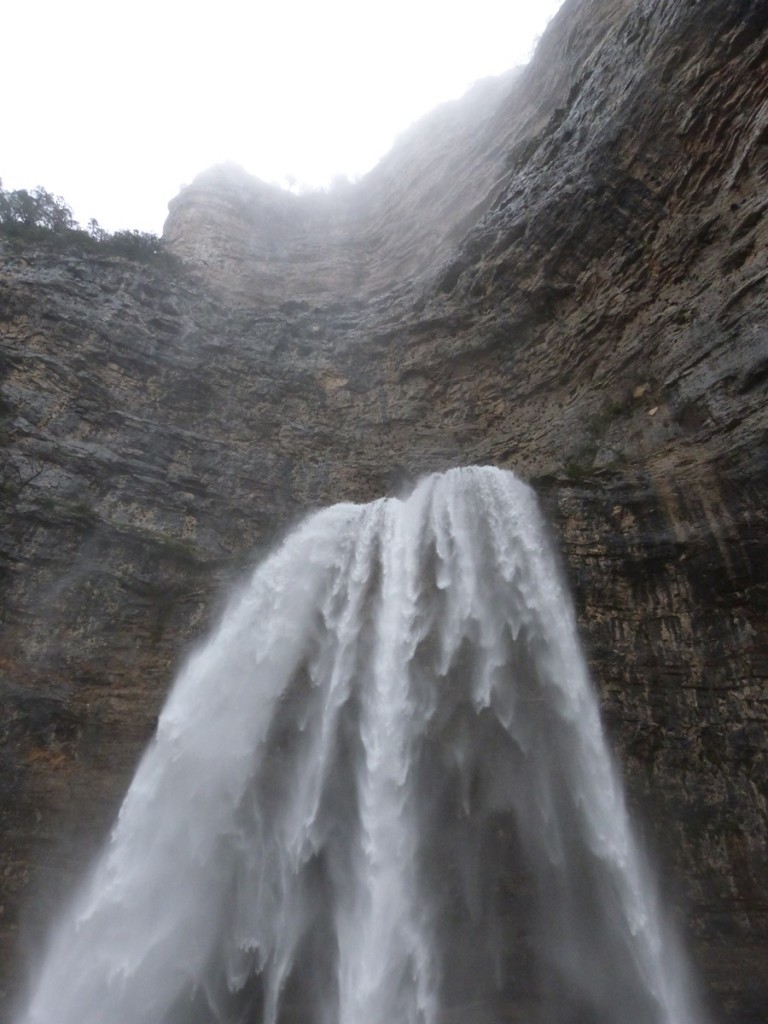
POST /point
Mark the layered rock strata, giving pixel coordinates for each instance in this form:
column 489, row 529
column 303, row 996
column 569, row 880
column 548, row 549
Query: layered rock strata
column 564, row 274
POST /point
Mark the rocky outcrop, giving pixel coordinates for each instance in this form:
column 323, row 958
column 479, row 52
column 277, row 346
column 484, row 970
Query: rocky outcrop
column 565, row 275
column 259, row 244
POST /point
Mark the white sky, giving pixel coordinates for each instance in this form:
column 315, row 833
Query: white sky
column 115, row 105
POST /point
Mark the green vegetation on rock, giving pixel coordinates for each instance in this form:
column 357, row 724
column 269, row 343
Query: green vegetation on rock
column 41, row 215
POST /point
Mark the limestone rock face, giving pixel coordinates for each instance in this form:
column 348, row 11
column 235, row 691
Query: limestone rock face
column 565, row 274
column 258, row 244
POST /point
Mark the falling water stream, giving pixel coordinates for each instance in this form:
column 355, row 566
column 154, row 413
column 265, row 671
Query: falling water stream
column 379, row 794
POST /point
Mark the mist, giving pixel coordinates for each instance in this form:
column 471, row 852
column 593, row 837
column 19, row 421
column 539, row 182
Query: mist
column 125, row 107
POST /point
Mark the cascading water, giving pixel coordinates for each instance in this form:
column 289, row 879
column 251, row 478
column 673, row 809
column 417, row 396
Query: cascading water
column 380, row 794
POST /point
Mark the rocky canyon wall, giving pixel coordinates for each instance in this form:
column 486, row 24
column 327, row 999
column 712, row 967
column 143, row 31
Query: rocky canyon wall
column 565, row 274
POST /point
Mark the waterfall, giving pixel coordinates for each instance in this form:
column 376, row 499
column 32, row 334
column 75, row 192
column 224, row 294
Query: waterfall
column 379, row 794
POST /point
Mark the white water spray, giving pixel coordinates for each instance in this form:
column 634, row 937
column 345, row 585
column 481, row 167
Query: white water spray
column 380, row 794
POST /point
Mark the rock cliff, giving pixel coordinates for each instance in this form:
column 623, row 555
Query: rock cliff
column 564, row 274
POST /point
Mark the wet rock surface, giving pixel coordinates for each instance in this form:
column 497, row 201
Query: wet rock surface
column 565, row 275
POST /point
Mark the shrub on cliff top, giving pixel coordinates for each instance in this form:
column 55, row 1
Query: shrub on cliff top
column 38, row 211
column 41, row 215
